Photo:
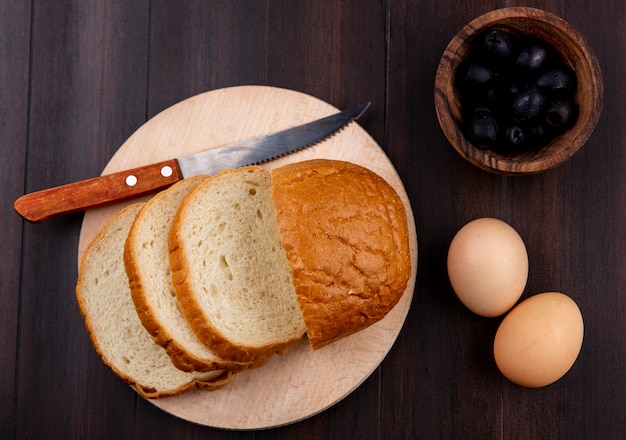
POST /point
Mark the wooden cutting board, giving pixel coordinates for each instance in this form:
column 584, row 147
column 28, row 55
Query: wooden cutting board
column 301, row 383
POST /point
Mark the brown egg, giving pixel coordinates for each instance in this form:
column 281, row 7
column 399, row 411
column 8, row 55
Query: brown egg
column 539, row 340
column 488, row 266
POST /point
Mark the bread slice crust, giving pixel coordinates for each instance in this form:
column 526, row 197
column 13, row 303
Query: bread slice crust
column 345, row 232
column 104, row 299
column 230, row 271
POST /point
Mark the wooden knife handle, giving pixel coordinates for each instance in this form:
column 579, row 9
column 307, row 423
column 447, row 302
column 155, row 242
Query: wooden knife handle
column 42, row 205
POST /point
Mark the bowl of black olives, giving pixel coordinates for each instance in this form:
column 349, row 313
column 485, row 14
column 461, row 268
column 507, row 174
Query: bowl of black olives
column 518, row 91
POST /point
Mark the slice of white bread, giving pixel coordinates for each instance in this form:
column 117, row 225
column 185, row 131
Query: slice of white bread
column 146, row 258
column 230, row 270
column 104, row 298
column 345, row 232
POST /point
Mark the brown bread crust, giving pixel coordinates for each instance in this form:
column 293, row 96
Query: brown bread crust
column 345, row 232
column 213, row 384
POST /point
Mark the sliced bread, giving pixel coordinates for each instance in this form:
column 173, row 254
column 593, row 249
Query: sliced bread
column 104, row 298
column 146, row 258
column 230, row 270
column 345, row 233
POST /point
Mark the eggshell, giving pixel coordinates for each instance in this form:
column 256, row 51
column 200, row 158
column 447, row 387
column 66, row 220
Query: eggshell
column 539, row 340
column 488, row 266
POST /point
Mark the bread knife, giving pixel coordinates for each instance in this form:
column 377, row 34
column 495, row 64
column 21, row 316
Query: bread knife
column 78, row 196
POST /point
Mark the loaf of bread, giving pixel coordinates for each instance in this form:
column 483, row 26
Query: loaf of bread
column 219, row 273
column 146, row 258
column 230, row 270
column 345, row 233
column 104, row 298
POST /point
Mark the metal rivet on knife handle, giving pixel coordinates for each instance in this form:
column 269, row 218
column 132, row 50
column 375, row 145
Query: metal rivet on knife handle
column 166, row 171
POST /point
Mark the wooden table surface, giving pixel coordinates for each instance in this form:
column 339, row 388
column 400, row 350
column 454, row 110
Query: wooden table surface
column 78, row 77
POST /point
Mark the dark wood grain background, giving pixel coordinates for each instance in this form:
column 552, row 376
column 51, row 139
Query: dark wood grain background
column 77, row 77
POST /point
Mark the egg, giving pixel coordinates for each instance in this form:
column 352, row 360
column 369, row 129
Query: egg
column 539, row 340
column 488, row 266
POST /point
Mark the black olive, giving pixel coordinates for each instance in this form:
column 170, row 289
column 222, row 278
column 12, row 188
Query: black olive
column 515, row 135
column 474, row 75
column 497, row 45
column 533, row 56
column 561, row 113
column 558, row 81
column 528, row 105
column 482, row 129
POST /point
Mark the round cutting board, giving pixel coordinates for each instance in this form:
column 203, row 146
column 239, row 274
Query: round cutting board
column 302, row 382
